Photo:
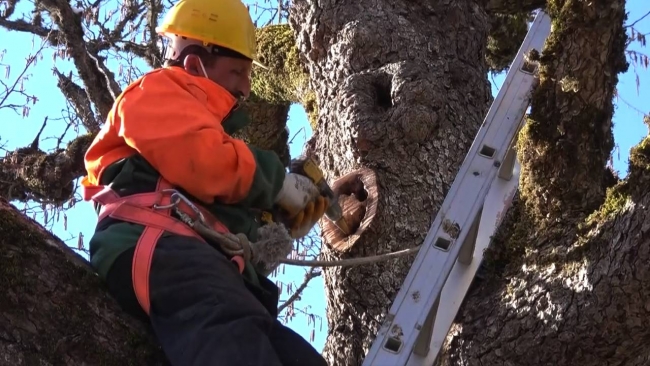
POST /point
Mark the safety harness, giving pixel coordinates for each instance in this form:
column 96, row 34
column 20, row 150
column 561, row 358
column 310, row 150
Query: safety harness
column 154, row 211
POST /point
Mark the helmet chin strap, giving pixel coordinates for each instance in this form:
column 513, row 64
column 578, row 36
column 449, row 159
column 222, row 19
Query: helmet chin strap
column 203, row 68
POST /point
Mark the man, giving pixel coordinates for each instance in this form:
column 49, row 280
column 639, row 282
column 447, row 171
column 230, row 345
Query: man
column 171, row 187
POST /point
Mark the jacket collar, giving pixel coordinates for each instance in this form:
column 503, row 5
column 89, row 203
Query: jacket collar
column 220, row 102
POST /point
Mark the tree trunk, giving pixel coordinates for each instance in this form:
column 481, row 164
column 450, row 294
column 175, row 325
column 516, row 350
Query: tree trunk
column 402, row 89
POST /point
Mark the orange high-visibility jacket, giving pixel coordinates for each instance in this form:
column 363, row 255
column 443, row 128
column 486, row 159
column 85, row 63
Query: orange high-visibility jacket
column 173, row 119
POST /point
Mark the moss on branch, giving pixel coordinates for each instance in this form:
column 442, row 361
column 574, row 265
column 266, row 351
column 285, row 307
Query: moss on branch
column 566, row 142
column 639, row 168
column 32, row 174
column 286, row 80
column 507, row 32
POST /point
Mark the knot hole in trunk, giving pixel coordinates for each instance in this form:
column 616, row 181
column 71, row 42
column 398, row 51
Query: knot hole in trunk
column 382, row 86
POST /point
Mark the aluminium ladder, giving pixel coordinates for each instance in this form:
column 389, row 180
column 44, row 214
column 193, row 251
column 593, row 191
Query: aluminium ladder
column 421, row 315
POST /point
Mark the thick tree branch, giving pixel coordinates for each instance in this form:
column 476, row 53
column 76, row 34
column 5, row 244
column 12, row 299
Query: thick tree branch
column 568, row 138
column 53, row 36
column 79, row 100
column 31, row 174
column 78, row 323
column 99, row 83
column 569, row 278
column 565, row 288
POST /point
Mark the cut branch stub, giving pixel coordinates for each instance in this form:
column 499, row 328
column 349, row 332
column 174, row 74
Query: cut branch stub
column 358, row 197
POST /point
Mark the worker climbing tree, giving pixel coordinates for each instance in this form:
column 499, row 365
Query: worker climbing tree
column 164, row 178
column 185, row 162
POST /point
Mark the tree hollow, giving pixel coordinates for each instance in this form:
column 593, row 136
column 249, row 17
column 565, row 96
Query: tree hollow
column 358, row 196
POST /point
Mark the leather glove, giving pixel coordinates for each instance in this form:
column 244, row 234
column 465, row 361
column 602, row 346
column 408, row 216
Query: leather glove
column 302, row 223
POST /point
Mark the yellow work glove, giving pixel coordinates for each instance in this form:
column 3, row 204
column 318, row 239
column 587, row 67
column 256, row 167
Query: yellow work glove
column 297, row 191
column 301, row 203
column 305, row 220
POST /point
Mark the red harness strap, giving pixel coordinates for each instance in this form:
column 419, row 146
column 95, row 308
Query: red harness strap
column 153, row 211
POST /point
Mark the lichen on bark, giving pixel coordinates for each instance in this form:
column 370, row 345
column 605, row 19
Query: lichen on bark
column 286, row 81
column 274, row 90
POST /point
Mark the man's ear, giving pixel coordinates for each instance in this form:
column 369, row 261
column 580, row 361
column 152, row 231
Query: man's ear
column 192, row 66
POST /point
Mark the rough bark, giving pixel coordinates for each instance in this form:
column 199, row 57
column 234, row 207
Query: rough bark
column 401, row 90
column 575, row 286
column 54, row 310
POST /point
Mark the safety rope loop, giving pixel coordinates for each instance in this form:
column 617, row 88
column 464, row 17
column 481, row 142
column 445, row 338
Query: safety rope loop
column 231, row 244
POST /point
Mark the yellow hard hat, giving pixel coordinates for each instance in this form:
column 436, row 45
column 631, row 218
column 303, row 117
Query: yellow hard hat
column 224, row 23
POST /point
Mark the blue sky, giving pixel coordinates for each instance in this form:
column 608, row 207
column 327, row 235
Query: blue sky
column 17, row 131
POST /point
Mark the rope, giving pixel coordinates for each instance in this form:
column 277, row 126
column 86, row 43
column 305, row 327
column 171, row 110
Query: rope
column 351, row 261
column 238, row 245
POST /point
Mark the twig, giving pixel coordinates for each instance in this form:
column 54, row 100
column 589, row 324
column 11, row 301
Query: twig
column 34, row 144
column 638, row 20
column 308, row 277
column 30, row 61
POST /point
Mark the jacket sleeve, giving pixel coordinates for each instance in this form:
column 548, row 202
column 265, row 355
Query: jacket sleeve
column 177, row 134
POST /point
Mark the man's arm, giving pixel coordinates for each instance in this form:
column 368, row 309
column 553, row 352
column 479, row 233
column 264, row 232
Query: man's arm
column 175, row 132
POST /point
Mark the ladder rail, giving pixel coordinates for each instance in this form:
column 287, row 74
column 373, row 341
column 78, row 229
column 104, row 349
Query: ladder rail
column 463, row 274
column 413, row 306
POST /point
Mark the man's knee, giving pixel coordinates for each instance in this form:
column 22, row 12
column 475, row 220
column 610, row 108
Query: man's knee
column 190, row 278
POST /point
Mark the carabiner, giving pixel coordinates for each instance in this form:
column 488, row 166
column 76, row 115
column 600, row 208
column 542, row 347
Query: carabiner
column 178, row 197
column 171, row 198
